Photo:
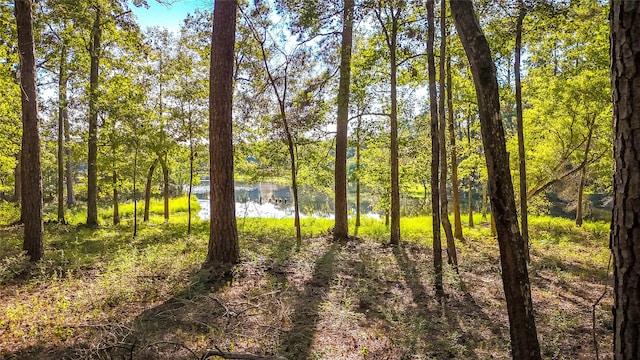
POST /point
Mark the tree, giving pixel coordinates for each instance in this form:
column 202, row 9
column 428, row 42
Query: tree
column 341, row 228
column 455, row 184
column 223, row 237
column 625, row 237
column 30, row 162
column 297, row 85
column 62, row 119
column 524, row 339
column 444, row 201
column 435, row 150
column 189, row 105
column 519, row 124
column 160, row 41
column 92, row 167
column 389, row 16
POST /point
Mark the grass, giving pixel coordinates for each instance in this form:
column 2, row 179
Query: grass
column 99, row 293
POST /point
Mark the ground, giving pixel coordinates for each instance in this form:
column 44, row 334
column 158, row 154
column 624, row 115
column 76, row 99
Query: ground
column 103, row 295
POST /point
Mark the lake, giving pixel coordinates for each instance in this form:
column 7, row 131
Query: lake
column 269, row 200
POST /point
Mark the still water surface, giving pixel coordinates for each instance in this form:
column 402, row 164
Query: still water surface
column 269, row 200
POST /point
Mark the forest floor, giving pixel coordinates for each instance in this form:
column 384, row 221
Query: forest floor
column 99, row 294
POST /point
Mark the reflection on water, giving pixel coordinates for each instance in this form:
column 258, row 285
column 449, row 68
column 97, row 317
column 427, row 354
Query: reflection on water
column 268, row 200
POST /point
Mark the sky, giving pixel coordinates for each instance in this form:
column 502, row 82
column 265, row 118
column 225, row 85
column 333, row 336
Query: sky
column 168, row 16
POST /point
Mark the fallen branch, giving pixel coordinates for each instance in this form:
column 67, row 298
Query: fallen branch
column 238, row 356
column 180, row 345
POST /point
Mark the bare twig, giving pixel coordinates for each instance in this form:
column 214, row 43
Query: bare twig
column 181, row 345
column 239, row 356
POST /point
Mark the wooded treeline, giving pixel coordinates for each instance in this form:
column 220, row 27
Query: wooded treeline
column 123, row 112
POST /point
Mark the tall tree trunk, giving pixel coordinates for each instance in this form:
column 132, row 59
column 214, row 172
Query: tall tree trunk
column 147, row 190
column 341, row 228
column 294, row 182
column 444, row 200
column 135, row 192
column 116, row 209
column 71, row 196
column 579, row 210
column 31, row 172
column 455, row 184
column 583, row 172
column 165, row 185
column 484, row 200
column 470, row 194
column 358, row 171
column 435, row 151
column 191, row 156
column 92, row 166
column 223, row 236
column 519, row 124
column 515, row 278
column 291, row 144
column 391, row 36
column 625, row 237
column 163, row 155
column 17, row 175
column 62, row 108
column 189, row 193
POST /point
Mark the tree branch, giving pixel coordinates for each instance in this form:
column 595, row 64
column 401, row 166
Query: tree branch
column 240, row 356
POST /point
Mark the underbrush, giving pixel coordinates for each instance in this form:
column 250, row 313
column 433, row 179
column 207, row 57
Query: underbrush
column 9, row 213
column 101, row 293
column 78, row 214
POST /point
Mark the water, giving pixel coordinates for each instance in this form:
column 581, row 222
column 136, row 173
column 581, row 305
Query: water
column 268, row 200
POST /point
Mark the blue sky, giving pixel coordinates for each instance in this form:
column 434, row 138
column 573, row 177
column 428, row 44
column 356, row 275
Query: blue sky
column 169, row 16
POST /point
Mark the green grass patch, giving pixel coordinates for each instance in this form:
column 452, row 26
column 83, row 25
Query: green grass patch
column 106, row 276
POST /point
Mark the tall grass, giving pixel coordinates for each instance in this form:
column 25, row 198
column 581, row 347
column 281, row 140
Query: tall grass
column 177, row 206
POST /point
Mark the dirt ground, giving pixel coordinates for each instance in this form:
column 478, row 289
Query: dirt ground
column 358, row 300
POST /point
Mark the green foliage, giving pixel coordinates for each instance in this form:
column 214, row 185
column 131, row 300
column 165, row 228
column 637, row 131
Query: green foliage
column 177, row 206
column 12, row 266
column 98, row 276
column 9, row 212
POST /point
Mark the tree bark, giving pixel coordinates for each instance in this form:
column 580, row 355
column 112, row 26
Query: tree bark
column 524, row 339
column 147, row 190
column 341, row 227
column 470, row 194
column 358, row 171
column 444, row 200
column 484, row 200
column 391, row 36
column 583, row 172
column 92, row 166
column 191, row 157
column 30, row 164
column 62, row 108
column 17, row 176
column 625, row 233
column 519, row 124
column 455, row 184
column 165, row 184
column 294, row 183
column 223, row 237
column 116, row 209
column 435, row 151
column 71, row 196
column 135, row 192
column 579, row 210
